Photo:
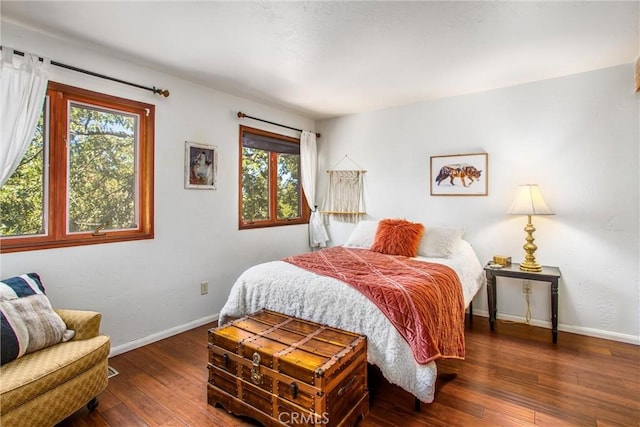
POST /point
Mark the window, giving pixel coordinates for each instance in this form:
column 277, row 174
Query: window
column 270, row 187
column 87, row 176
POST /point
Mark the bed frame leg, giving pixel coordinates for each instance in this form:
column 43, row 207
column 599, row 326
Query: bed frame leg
column 416, row 404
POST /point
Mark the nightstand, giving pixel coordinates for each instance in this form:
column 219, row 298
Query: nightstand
column 548, row 274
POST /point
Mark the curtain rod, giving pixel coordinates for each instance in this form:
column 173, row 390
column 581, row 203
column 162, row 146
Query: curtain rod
column 153, row 89
column 242, row 115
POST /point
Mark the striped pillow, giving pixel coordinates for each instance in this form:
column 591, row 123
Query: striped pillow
column 28, row 322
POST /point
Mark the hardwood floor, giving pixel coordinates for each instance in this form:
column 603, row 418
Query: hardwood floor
column 513, row 376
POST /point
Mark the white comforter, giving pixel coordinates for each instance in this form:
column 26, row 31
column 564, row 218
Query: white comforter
column 285, row 288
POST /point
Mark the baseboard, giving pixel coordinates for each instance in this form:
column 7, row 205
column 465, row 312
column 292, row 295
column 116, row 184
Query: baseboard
column 597, row 333
column 132, row 345
column 614, row 336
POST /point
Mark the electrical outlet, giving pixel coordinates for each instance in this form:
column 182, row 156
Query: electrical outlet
column 204, row 288
column 526, row 287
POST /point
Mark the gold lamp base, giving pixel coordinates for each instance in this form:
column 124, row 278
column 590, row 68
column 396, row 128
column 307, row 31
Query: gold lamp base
column 531, row 267
column 529, row 263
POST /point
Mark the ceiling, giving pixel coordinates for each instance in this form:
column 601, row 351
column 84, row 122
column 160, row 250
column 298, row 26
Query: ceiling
column 327, row 59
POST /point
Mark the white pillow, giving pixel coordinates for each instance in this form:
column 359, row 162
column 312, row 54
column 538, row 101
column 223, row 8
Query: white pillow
column 440, row 242
column 363, row 234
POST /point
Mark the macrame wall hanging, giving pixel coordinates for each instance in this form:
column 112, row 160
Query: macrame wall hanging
column 344, row 199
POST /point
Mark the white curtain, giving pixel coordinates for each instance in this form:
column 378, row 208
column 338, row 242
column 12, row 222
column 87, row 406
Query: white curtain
column 23, row 87
column 309, row 164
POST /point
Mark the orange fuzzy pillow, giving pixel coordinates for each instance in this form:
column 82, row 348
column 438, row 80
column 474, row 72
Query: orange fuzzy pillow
column 398, row 237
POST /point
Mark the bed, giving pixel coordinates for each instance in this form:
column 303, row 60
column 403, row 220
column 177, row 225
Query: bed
column 287, row 288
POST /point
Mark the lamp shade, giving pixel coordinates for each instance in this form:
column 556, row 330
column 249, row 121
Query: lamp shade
column 529, row 201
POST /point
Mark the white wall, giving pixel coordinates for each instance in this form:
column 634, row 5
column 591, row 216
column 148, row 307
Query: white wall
column 577, row 137
column 149, row 289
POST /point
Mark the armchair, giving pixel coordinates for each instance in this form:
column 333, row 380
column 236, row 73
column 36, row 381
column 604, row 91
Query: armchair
column 44, row 387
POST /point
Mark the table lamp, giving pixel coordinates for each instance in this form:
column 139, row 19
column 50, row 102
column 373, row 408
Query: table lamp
column 529, row 202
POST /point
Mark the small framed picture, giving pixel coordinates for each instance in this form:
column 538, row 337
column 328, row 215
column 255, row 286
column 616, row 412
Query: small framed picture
column 460, row 175
column 200, row 166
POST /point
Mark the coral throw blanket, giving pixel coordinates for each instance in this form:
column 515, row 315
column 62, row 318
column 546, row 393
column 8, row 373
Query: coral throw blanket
column 422, row 300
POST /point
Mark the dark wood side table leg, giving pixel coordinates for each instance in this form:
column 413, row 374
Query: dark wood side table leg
column 491, row 297
column 554, row 310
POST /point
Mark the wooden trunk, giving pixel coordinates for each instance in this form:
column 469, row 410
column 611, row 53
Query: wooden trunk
column 281, row 370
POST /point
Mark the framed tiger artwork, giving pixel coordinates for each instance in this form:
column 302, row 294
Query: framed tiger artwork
column 460, row 175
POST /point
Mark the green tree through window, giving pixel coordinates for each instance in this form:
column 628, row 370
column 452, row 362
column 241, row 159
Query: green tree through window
column 87, row 176
column 22, row 196
column 102, row 147
column 289, row 199
column 255, row 185
column 270, row 189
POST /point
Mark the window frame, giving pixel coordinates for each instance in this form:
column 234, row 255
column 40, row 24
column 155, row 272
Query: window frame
column 56, row 234
column 273, row 221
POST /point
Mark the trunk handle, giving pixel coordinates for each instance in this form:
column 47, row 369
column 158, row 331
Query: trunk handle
column 347, row 386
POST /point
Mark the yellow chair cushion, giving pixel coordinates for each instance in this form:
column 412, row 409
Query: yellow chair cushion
column 35, row 373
